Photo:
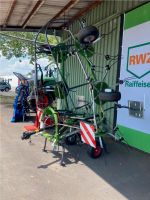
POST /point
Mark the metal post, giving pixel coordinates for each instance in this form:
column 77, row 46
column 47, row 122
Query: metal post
column 45, row 142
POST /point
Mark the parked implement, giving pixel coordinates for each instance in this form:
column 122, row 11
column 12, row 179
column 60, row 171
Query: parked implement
column 69, row 123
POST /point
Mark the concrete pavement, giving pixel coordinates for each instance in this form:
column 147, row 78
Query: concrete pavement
column 26, row 173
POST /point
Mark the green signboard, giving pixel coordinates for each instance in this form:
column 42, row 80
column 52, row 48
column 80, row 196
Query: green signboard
column 134, row 123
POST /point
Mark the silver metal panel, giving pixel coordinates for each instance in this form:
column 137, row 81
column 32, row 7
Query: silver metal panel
column 106, row 17
column 136, row 109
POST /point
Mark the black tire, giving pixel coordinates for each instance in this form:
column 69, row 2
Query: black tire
column 6, row 89
column 71, row 140
column 99, row 86
column 88, row 35
column 96, row 152
column 44, row 49
column 109, row 96
column 2, row 90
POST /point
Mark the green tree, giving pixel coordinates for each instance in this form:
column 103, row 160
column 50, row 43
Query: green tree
column 15, row 47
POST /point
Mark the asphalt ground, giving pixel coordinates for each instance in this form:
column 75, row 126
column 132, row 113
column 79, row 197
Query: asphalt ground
column 27, row 173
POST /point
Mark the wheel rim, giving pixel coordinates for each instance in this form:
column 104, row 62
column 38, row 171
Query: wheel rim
column 89, row 39
column 71, row 138
column 49, row 121
column 97, row 151
column 54, row 116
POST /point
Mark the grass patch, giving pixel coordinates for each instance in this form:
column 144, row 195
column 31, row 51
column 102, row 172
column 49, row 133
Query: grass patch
column 6, row 99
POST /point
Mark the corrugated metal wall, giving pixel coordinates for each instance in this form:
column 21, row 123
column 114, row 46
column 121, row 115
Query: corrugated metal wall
column 106, row 17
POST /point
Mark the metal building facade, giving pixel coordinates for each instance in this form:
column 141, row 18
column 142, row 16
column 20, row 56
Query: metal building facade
column 107, row 18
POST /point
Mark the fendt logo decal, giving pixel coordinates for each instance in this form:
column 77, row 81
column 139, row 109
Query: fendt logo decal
column 138, row 60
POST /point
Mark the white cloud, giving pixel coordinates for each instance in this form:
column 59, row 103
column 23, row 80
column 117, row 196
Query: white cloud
column 22, row 67
column 43, row 62
column 7, row 67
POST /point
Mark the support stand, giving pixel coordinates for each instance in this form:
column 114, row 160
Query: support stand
column 45, row 143
column 62, row 163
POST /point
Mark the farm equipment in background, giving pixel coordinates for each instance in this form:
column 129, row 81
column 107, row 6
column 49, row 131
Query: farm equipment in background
column 20, row 105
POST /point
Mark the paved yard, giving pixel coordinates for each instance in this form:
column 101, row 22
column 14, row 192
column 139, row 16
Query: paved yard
column 26, row 173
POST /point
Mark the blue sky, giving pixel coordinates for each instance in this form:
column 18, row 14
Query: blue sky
column 7, row 67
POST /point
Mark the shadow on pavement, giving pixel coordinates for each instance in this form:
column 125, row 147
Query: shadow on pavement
column 124, row 168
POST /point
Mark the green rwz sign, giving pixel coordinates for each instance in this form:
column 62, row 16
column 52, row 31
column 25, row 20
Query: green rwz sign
column 135, row 71
column 138, row 60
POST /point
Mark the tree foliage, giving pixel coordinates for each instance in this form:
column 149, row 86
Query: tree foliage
column 15, row 47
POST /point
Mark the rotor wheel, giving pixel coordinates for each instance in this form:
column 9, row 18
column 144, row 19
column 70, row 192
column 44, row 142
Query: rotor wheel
column 50, row 118
column 99, row 86
column 96, row 152
column 109, row 96
column 71, row 140
column 88, row 34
